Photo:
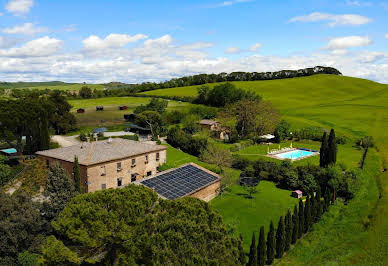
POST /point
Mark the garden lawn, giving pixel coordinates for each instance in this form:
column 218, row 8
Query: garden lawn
column 111, row 114
column 247, row 215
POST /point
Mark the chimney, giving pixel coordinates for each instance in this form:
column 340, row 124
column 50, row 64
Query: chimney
column 87, row 139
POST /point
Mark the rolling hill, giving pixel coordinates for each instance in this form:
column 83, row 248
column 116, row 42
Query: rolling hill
column 51, row 85
column 354, row 107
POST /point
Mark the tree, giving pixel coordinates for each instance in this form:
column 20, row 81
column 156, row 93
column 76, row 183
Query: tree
column 21, row 226
column 155, row 104
column 62, row 120
column 301, row 219
column 307, row 215
column 288, row 230
column 77, row 175
column 261, row 248
column 5, row 171
column 333, row 184
column 323, row 151
column 252, row 260
column 282, row 131
column 104, row 224
column 280, row 238
column 54, row 252
column 318, row 205
column 332, row 149
column 242, row 257
column 153, row 120
column 190, row 124
column 218, row 156
column 295, row 227
column 271, row 244
column 59, row 191
column 26, row 258
column 85, row 92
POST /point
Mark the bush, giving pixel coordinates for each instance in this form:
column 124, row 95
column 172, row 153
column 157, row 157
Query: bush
column 240, row 162
column 82, row 136
column 204, row 112
column 177, row 138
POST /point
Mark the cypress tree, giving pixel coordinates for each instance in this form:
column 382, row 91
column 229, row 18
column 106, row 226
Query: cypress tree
column 242, row 256
column 252, row 260
column 44, row 134
column 295, row 227
column 332, row 148
column 307, row 215
column 288, row 224
column 323, row 151
column 271, row 244
column 280, row 238
column 261, row 248
column 301, row 219
column 318, row 205
column 77, row 175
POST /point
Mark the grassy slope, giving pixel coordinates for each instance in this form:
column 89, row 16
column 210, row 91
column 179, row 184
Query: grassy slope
column 354, row 107
column 111, row 114
column 52, row 85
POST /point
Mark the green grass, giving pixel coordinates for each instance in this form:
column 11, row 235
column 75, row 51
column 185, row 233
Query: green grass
column 111, row 114
column 354, row 108
column 64, row 87
column 247, row 215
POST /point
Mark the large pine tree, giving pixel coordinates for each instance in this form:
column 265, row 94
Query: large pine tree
column 332, row 148
column 271, row 244
column 301, row 219
column 295, row 227
column 288, row 224
column 280, row 238
column 252, row 260
column 261, row 248
column 323, row 151
column 77, row 175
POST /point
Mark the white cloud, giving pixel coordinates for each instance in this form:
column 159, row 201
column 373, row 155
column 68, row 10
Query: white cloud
column 227, row 3
column 334, row 20
column 386, row 35
column 44, row 46
column 255, row 47
column 25, row 29
column 358, row 3
column 111, row 41
column 1, row 14
column 19, row 7
column 164, row 58
column 348, row 42
column 232, row 50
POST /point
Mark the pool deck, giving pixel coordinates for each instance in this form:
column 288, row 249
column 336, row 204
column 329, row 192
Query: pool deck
column 275, row 156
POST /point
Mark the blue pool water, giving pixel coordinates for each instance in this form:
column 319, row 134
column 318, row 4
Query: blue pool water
column 296, row 154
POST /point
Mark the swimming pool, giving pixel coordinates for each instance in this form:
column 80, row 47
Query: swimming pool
column 295, row 154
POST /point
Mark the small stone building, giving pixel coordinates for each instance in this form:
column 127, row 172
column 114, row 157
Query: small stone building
column 189, row 180
column 110, row 163
column 215, row 128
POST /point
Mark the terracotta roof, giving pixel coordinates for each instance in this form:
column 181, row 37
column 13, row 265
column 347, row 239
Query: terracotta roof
column 208, row 122
column 101, row 151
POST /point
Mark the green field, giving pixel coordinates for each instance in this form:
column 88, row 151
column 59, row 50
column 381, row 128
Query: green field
column 111, row 114
column 51, row 85
column 354, row 107
column 247, row 215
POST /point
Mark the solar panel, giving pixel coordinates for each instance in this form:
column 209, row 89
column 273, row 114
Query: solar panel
column 179, row 182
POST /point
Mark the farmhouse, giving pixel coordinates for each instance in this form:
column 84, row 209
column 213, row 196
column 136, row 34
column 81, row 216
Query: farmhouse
column 110, row 163
column 215, row 128
column 189, row 180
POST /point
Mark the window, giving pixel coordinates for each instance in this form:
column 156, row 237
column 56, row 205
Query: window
column 118, row 167
column 103, row 186
column 133, row 177
column 149, row 173
column 146, row 159
column 157, row 156
column 47, row 163
column 133, row 162
column 103, row 170
column 119, row 182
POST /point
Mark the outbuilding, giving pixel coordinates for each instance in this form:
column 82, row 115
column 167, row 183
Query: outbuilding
column 297, row 194
column 99, row 108
column 81, row 110
column 123, row 107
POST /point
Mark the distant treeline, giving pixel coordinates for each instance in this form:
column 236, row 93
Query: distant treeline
column 223, row 77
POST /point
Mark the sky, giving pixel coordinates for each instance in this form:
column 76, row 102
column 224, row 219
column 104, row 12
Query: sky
column 136, row 41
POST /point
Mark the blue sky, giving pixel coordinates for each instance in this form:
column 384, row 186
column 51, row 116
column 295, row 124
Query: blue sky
column 135, row 41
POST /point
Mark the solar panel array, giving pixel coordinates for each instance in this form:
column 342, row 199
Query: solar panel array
column 179, row 182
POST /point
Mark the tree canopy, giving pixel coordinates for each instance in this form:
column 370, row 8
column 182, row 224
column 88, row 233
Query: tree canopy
column 133, row 226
